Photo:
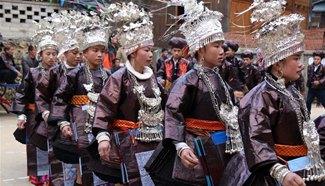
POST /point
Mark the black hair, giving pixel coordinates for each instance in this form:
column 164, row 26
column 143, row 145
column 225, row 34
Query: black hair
column 114, row 60
column 164, row 49
column 30, row 48
column 319, row 54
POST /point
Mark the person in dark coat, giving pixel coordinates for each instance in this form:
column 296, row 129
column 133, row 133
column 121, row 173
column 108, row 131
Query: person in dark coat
column 280, row 140
column 128, row 120
column 316, row 80
column 175, row 66
column 251, row 72
column 29, row 61
column 8, row 69
column 202, row 140
column 162, row 58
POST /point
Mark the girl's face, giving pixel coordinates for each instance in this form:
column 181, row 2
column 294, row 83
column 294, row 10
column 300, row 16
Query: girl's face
column 291, row 67
column 73, row 57
column 143, row 56
column 95, row 55
column 213, row 54
column 49, row 58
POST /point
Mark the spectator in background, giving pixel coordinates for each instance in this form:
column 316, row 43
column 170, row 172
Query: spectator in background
column 30, row 60
column 115, row 65
column 316, row 80
column 163, row 57
column 228, row 72
column 175, row 66
column 111, row 52
column 236, row 62
column 252, row 75
column 8, row 69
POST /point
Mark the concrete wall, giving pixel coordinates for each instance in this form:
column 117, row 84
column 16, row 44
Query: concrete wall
column 17, row 17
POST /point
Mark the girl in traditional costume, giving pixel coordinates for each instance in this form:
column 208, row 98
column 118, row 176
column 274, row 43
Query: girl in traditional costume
column 65, row 25
column 128, row 118
column 280, row 140
column 74, row 102
column 24, row 106
column 200, row 117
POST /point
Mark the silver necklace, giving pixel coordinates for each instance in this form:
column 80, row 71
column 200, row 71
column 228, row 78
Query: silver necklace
column 227, row 112
column 150, row 114
column 315, row 170
column 92, row 95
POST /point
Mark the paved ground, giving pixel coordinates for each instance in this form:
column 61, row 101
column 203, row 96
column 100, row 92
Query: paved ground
column 13, row 154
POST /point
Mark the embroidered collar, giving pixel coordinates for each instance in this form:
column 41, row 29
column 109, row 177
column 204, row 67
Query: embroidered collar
column 147, row 73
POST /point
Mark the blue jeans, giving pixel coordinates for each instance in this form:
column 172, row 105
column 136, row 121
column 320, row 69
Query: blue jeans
column 318, row 93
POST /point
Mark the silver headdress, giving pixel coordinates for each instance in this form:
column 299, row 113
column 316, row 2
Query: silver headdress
column 137, row 28
column 201, row 26
column 94, row 29
column 279, row 36
column 43, row 38
column 65, row 26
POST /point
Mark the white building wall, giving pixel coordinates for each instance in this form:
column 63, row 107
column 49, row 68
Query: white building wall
column 17, row 17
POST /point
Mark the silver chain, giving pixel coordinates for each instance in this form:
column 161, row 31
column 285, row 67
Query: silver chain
column 294, row 102
column 90, row 77
column 207, row 82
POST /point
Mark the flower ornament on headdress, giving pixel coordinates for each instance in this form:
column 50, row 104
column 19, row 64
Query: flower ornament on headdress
column 65, row 24
column 279, row 36
column 201, row 26
column 136, row 31
column 43, row 38
column 93, row 29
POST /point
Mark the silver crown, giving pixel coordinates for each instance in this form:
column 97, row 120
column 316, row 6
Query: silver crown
column 65, row 26
column 279, row 36
column 136, row 31
column 201, row 26
column 43, row 37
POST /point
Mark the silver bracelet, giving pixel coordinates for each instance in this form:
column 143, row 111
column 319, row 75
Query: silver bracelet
column 22, row 117
column 279, row 171
column 103, row 136
column 45, row 113
column 63, row 124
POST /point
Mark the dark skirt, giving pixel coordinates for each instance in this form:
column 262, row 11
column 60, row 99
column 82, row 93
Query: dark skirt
column 171, row 169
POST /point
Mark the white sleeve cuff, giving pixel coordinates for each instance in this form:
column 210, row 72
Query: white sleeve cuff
column 103, row 136
column 180, row 147
column 62, row 124
column 45, row 113
column 22, row 117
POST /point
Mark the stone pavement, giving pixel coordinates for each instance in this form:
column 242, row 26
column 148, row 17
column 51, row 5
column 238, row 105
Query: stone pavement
column 13, row 154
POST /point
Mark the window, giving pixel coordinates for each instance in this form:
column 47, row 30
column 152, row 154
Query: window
column 15, row 16
column 7, row 11
column 49, row 14
column 29, row 8
column 14, row 7
column 22, row 12
column 22, row 20
column 56, row 10
column 43, row 9
column 1, row 6
column 1, row 15
column 29, row 17
column 36, row 13
column 8, row 20
column 36, row 20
